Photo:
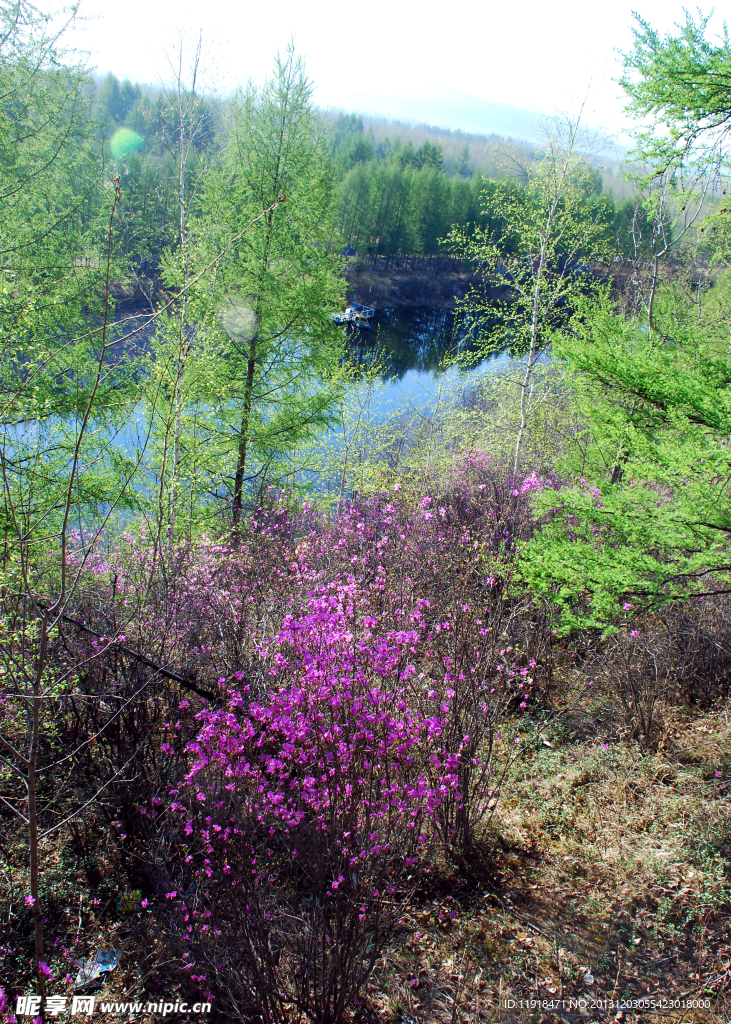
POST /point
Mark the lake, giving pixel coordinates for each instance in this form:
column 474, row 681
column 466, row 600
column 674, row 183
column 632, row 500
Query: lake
column 413, row 345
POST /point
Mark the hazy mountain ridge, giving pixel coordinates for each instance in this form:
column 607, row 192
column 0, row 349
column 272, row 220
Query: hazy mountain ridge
column 447, row 109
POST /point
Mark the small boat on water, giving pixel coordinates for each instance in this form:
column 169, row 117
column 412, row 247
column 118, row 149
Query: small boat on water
column 356, row 314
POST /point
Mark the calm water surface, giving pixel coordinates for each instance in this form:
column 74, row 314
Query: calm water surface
column 412, row 346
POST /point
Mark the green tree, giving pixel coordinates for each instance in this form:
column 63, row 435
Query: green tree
column 541, row 242
column 643, row 515
column 116, row 101
column 48, row 175
column 186, row 165
column 433, row 208
column 463, row 167
column 354, row 207
column 350, row 145
column 429, row 154
column 53, row 270
column 276, row 286
column 680, row 87
column 63, row 392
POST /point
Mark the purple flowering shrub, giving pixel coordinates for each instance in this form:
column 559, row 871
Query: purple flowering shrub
column 204, row 607
column 353, row 687
column 306, row 811
column 441, row 565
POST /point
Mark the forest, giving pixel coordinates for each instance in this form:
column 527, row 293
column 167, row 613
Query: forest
column 316, row 712
column 390, row 197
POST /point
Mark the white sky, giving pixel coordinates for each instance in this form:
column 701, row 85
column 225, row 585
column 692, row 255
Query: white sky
column 541, row 55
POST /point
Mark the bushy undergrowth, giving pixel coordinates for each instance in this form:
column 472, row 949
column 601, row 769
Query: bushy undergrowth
column 367, row 671
column 291, row 727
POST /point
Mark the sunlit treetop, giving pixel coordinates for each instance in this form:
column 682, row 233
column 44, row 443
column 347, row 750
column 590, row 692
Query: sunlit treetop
column 680, row 86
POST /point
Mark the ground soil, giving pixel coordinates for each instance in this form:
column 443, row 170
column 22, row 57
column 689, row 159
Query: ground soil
column 604, row 879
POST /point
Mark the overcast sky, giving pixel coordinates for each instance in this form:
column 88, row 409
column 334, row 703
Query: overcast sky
column 540, row 55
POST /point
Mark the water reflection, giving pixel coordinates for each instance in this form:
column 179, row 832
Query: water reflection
column 414, row 339
column 415, row 350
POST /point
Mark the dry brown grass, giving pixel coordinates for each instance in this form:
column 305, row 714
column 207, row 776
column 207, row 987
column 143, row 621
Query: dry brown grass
column 611, row 861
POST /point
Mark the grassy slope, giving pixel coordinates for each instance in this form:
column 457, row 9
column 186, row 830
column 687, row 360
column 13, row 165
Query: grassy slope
column 610, row 862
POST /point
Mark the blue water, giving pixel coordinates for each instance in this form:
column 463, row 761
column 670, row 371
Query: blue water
column 412, row 348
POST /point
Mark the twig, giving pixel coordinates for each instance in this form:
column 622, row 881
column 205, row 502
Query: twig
column 168, row 673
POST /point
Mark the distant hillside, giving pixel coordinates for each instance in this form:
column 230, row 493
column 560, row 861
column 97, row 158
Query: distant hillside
column 451, row 110
column 508, row 142
column 494, row 155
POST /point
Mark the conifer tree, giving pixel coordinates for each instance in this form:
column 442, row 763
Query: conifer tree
column 276, row 286
column 642, row 516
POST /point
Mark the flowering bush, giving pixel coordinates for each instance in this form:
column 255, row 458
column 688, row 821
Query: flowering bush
column 309, row 804
column 350, row 684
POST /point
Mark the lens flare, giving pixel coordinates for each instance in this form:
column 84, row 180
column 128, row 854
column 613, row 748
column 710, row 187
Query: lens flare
column 125, row 142
column 238, row 318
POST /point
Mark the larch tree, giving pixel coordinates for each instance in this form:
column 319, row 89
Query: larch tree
column 642, row 517
column 276, row 286
column 60, row 390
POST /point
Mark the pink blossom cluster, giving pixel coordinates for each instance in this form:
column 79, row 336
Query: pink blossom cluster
column 333, row 744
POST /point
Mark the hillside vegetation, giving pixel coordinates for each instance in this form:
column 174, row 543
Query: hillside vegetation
column 398, row 189
column 313, row 712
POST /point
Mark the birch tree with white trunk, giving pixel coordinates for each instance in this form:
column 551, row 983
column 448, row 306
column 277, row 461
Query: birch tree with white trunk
column 551, row 233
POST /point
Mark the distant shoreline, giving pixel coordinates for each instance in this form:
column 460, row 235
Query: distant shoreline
column 385, row 282
column 407, row 282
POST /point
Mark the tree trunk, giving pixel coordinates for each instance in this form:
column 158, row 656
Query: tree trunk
column 32, row 805
column 526, row 389
column 244, row 433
